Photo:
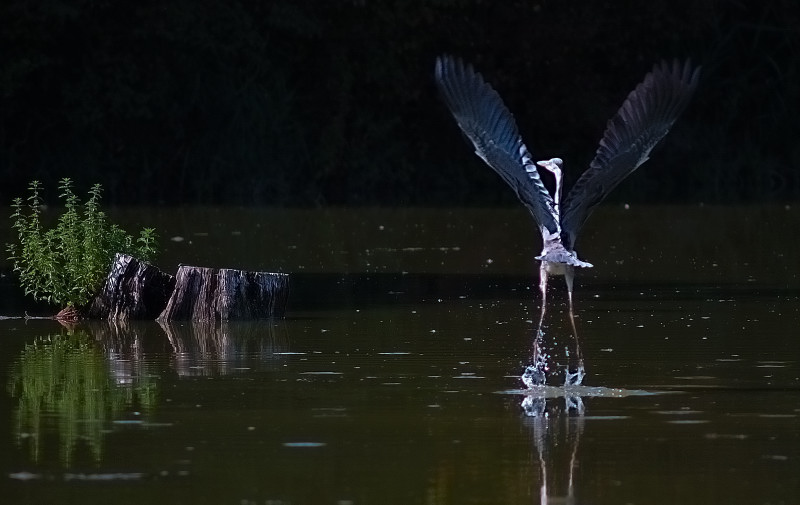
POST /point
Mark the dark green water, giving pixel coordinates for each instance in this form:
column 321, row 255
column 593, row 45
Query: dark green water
column 394, row 378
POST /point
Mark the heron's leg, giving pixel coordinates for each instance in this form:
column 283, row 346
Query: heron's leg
column 569, row 276
column 577, row 377
column 539, row 359
column 536, row 373
column 543, row 290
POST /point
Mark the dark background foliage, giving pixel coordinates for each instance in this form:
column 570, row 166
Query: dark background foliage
column 333, row 102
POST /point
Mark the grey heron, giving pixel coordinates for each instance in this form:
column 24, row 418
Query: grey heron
column 644, row 119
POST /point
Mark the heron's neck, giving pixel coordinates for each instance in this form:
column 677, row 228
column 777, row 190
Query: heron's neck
column 558, row 174
column 553, row 165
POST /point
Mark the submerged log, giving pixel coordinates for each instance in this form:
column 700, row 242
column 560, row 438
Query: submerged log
column 69, row 315
column 133, row 290
column 224, row 294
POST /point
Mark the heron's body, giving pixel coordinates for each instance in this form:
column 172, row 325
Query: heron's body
column 643, row 120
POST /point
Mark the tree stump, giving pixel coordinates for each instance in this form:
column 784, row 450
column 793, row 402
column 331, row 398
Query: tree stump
column 224, row 294
column 133, row 290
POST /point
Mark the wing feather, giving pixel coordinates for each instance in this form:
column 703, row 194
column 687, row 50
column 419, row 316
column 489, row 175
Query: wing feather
column 644, row 119
column 486, row 121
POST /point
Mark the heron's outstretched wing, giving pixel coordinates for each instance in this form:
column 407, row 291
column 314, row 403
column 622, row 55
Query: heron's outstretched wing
column 645, row 118
column 486, row 121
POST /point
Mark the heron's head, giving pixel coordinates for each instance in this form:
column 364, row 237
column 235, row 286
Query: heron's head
column 553, row 165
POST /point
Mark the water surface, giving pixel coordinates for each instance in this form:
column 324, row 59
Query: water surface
column 394, row 377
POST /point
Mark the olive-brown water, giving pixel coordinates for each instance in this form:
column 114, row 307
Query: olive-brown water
column 394, row 377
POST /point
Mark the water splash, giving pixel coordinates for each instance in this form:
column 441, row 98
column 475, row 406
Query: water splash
column 535, row 375
column 575, row 378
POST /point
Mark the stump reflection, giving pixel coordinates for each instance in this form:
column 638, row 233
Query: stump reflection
column 219, row 348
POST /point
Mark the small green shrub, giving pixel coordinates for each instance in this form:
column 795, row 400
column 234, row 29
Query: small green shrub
column 67, row 264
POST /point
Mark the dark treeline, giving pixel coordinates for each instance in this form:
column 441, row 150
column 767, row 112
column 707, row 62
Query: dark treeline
column 333, row 102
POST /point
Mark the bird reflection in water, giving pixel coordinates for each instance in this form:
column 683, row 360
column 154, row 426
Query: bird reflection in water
column 556, row 433
column 644, row 119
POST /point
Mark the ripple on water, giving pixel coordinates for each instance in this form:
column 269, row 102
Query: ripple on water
column 678, row 412
column 582, row 391
column 304, row 444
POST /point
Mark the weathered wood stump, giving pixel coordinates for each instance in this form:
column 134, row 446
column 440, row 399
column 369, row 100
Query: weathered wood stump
column 224, row 294
column 133, row 290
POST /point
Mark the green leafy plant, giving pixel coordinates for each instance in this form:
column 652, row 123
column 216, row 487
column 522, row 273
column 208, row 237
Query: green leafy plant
column 66, row 265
